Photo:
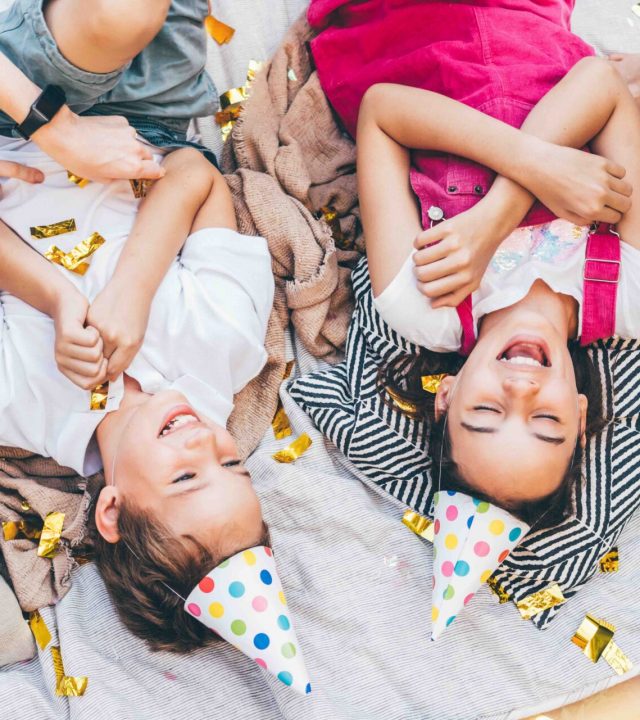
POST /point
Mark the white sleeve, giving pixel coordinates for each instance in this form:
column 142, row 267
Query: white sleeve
column 234, row 271
column 628, row 301
column 407, row 311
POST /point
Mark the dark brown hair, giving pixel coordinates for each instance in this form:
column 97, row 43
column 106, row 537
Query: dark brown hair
column 140, row 572
column 402, row 378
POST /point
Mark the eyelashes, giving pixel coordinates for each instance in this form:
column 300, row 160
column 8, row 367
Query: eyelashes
column 182, row 478
column 231, row 463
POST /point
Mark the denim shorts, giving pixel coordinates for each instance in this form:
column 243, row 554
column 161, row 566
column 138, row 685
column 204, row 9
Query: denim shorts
column 165, row 85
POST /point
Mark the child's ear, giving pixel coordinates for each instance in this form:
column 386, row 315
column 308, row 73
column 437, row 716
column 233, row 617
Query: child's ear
column 583, row 404
column 443, row 396
column 107, row 512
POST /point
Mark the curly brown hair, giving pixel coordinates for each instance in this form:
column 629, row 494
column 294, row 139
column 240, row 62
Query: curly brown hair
column 147, row 571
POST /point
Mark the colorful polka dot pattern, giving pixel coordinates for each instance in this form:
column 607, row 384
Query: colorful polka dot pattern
column 471, row 539
column 243, row 601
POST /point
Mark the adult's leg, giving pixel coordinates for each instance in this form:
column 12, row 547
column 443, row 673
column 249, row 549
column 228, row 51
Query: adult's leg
column 105, row 36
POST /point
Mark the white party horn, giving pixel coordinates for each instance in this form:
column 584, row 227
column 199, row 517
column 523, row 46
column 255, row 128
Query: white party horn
column 471, row 539
column 242, row 600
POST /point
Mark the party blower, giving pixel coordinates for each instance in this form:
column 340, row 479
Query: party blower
column 471, row 539
column 242, row 600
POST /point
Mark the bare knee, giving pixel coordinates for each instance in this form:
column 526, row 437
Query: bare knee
column 599, row 73
column 197, row 176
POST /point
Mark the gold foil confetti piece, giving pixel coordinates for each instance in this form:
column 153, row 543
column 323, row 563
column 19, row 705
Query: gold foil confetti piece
column 431, row 383
column 280, row 423
column 329, row 214
column 498, row 590
column 51, row 533
column 24, row 506
column 419, row 524
column 231, row 101
column 294, row 450
column 22, row 530
column 99, row 396
column 39, row 629
column 288, row 369
column 539, row 601
column 617, row 660
column 220, row 32
column 593, row 636
column 291, row 75
column 610, row 562
column 635, row 9
column 66, row 686
column 77, row 180
column 73, row 260
column 407, row 407
column 42, row 232
column 140, row 187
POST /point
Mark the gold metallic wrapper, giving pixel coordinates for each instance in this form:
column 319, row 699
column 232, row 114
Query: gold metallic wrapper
column 99, row 396
column 431, row 383
column 39, row 629
column 610, row 562
column 140, row 187
column 51, row 533
column 593, row 636
column 617, row 659
column 231, row 101
column 329, row 214
column 220, row 32
column 280, row 423
column 42, row 232
column 232, row 97
column 288, row 369
column 24, row 506
column 293, row 451
column 77, row 180
column 66, row 686
column 540, row 601
column 419, row 524
column 498, row 590
column 407, row 407
column 74, row 259
column 22, row 529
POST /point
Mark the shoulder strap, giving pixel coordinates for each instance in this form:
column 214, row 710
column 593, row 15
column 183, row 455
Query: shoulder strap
column 600, row 284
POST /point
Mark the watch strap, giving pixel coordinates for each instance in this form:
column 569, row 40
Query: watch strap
column 43, row 110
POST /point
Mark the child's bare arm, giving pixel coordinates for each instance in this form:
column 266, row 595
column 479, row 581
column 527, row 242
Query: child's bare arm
column 438, row 123
column 167, row 215
column 27, row 275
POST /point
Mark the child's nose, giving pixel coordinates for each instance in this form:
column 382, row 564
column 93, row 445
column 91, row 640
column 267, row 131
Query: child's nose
column 521, row 386
column 199, row 437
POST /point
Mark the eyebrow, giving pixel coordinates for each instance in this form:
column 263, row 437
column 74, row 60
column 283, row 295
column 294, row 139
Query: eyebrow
column 490, row 430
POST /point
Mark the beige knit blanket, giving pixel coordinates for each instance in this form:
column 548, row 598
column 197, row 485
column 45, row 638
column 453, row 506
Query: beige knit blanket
column 285, row 161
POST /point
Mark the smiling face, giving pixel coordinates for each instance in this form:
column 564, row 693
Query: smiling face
column 513, row 413
column 181, row 468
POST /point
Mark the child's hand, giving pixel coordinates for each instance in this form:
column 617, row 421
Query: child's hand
column 78, row 349
column 451, row 257
column 121, row 317
column 578, row 186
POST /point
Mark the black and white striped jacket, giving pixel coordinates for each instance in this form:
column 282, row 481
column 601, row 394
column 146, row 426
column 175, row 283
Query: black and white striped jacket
column 392, row 450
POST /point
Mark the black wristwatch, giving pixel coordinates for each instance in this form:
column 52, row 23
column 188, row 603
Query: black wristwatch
column 50, row 100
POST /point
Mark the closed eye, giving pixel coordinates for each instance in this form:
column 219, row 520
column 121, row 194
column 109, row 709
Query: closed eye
column 547, row 417
column 182, row 478
column 487, row 407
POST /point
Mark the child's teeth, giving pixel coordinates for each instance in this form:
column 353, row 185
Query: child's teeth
column 522, row 361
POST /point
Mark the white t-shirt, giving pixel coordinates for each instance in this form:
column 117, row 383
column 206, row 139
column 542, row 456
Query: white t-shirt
column 207, row 323
column 553, row 252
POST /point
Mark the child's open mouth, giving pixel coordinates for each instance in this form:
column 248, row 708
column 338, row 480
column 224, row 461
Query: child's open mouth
column 526, row 351
column 178, row 417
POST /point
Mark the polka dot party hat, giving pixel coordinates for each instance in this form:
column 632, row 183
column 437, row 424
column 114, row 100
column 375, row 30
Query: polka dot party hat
column 242, row 600
column 471, row 539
